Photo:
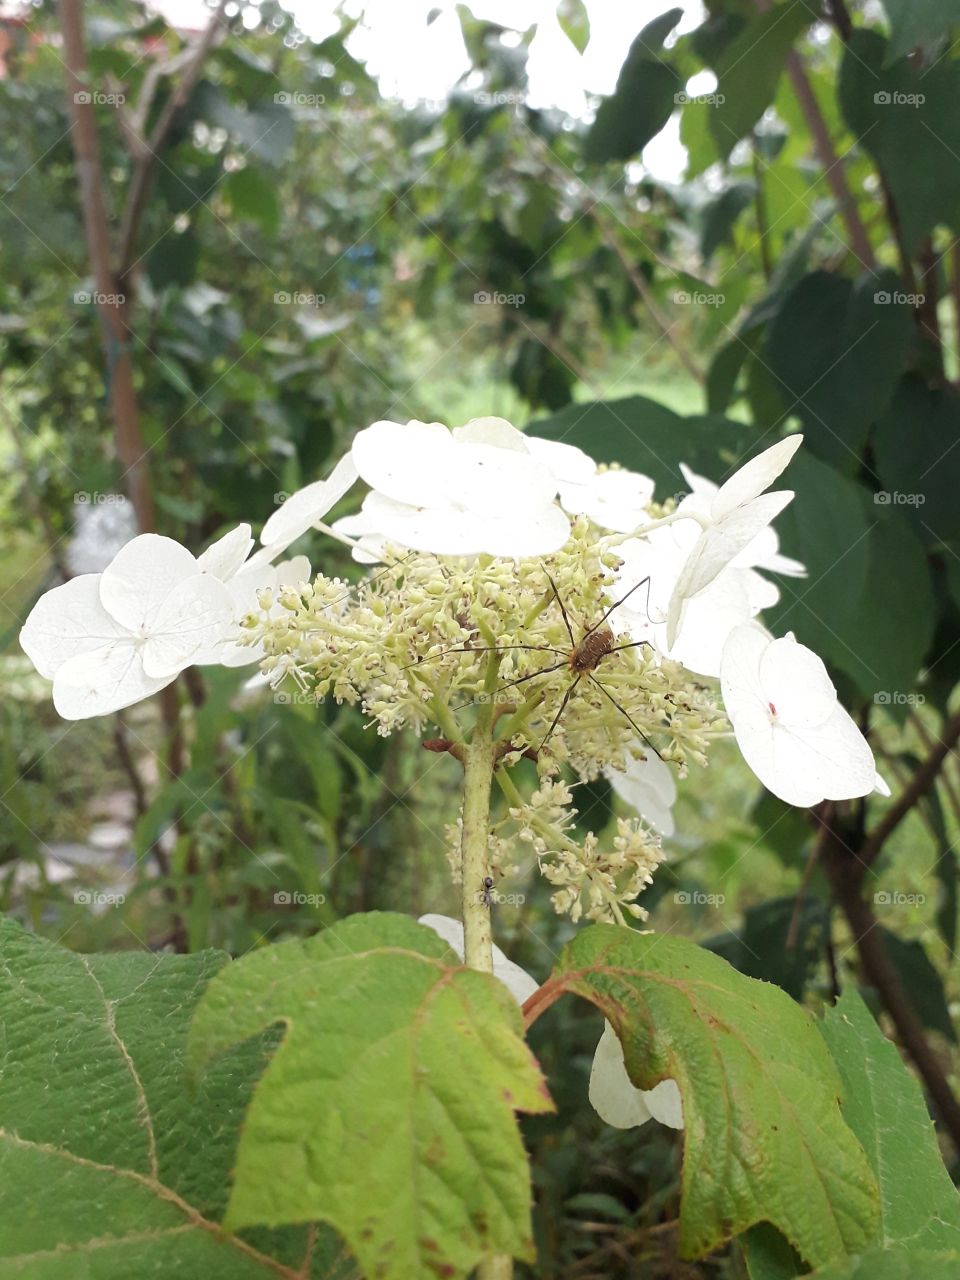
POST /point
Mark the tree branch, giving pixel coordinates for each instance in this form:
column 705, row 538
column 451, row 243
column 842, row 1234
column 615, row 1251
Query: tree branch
column 923, row 779
column 146, row 149
column 111, row 303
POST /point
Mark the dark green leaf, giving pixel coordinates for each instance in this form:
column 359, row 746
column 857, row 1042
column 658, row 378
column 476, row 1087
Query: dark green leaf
column 838, row 349
column 749, row 67
column 919, row 22
column 643, row 100
column 906, row 118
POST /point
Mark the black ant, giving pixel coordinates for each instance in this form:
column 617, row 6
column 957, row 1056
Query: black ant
column 487, row 895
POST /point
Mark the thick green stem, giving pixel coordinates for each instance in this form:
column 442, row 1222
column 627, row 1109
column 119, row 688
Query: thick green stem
column 479, row 760
column 478, row 763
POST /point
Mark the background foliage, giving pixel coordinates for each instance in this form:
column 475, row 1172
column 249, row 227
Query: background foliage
column 311, row 257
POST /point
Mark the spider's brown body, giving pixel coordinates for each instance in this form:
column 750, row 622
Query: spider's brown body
column 594, row 646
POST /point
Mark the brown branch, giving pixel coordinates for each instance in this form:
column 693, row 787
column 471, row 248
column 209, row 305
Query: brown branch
column 111, row 303
column 146, row 148
column 833, row 169
column 923, row 780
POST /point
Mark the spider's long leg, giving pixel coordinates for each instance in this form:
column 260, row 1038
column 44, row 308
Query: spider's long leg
column 634, row 644
column 617, row 603
column 482, row 648
column 563, row 610
column 373, row 577
column 607, row 694
column 545, row 671
column 560, row 711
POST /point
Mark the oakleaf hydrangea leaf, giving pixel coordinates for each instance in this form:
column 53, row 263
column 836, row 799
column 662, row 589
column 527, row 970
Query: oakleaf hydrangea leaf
column 108, row 1166
column 764, row 1140
column 883, row 1104
column 388, row 1109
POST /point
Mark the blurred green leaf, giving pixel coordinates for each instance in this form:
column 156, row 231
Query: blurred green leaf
column 643, row 100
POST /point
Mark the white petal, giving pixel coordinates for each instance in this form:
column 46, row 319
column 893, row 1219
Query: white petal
column 615, row 500
column 409, row 464
column 617, row 1101
column 527, row 533
column 140, row 576
column 754, row 477
column 569, row 464
column 497, row 432
column 796, row 683
column 193, row 618
column 648, row 786
column 103, row 680
column 802, row 764
column 304, row 508
column 518, row 982
column 497, row 482
column 881, row 786
column 224, row 557
column 716, row 548
column 67, row 621
column 707, row 619
column 290, row 573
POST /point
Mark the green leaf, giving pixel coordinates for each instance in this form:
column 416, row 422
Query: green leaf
column 574, row 23
column 643, row 100
column 883, row 1105
column 906, row 118
column 897, row 614
column 252, row 195
column 921, row 982
column 108, row 1167
column 896, row 1264
column 388, row 1109
column 758, row 949
column 838, row 348
column 647, row 437
column 749, row 68
column 764, row 1140
column 826, row 527
column 919, row 22
column 915, row 445
column 721, row 214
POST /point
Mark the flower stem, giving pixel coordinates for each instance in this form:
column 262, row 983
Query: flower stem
column 478, row 765
column 478, row 762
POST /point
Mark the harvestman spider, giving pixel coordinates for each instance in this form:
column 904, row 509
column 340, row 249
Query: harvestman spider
column 582, row 659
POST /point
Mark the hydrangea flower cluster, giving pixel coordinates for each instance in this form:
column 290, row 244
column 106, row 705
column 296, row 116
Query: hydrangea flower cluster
column 522, row 601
